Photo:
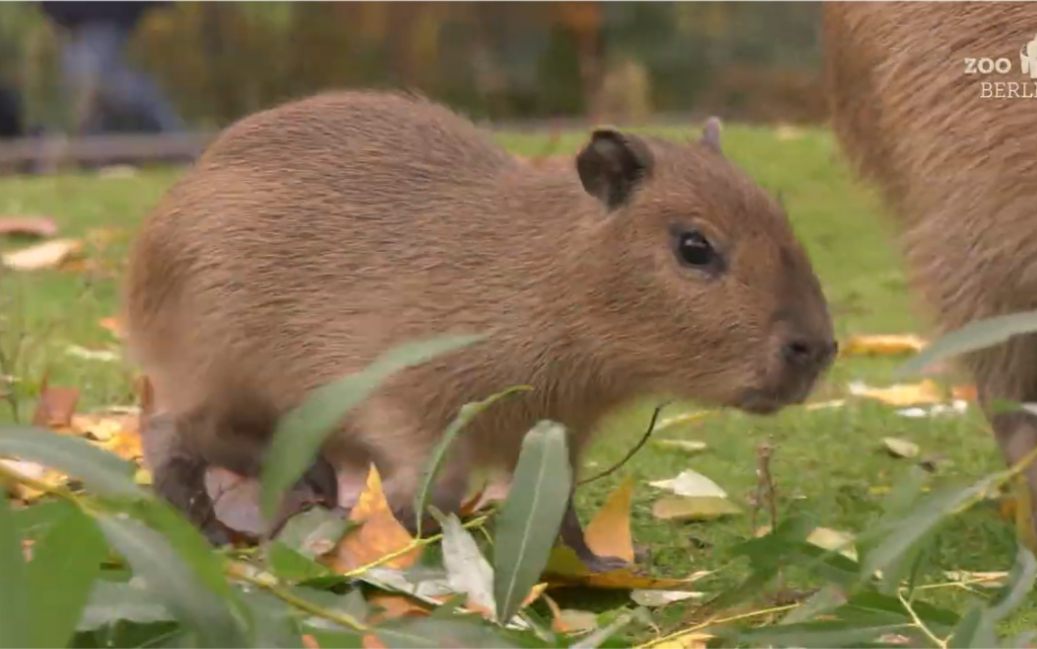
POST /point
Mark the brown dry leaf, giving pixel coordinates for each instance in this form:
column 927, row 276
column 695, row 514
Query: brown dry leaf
column 51, row 254
column 882, row 345
column 608, row 534
column 114, row 325
column 379, row 533
column 235, row 500
column 38, row 226
column 900, row 394
column 690, row 640
column 394, row 606
column 964, row 392
column 55, row 407
column 564, row 568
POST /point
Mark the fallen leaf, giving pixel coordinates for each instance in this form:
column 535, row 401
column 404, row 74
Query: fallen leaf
column 564, row 568
column 608, row 533
column 378, row 534
column 786, row 132
column 117, row 171
column 900, row 394
column 690, row 483
column 964, row 392
column 394, row 606
column 835, row 540
column 55, row 406
column 882, row 345
column 309, row 641
column 657, row 598
column 689, row 640
column 113, row 325
column 92, row 354
column 39, row 226
column 43, row 256
column 235, row 501
column 573, row 621
column 694, row 508
column 688, row 445
column 900, row 447
column 45, row 475
column 684, row 418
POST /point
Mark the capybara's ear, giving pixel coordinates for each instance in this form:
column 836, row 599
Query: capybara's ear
column 612, row 165
column 711, row 135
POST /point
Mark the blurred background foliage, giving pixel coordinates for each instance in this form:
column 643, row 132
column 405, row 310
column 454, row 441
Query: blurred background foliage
column 620, row 61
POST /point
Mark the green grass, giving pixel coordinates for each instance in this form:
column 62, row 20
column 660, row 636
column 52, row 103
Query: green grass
column 826, row 464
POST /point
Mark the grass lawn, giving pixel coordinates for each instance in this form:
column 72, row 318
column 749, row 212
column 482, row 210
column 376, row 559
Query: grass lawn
column 827, row 464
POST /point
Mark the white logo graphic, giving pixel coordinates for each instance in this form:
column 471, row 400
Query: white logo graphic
column 1028, row 58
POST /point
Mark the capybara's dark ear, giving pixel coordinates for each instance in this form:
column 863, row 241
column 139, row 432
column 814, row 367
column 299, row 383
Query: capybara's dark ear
column 612, row 165
column 711, row 135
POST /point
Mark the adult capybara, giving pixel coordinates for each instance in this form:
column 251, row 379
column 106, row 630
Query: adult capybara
column 952, row 143
column 311, row 237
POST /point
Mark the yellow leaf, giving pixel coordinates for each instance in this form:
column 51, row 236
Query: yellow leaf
column 688, row 445
column 38, row 472
column 43, row 256
column 379, row 533
column 900, row 447
column 901, row 394
column 608, row 534
column 564, row 568
column 694, row 508
column 882, row 345
column 690, row 640
column 683, row 418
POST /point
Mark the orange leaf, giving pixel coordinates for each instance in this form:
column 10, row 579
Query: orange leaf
column 113, row 325
column 371, row 641
column 564, row 568
column 309, row 641
column 608, row 534
column 964, row 392
column 882, row 345
column 55, row 406
column 394, row 606
column 901, row 394
column 379, row 533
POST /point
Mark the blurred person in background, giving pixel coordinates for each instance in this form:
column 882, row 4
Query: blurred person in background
column 100, row 81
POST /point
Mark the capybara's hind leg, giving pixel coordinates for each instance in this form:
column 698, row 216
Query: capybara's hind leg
column 1016, row 433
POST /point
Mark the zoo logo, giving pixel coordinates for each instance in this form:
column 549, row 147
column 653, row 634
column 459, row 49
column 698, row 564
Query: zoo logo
column 1002, row 65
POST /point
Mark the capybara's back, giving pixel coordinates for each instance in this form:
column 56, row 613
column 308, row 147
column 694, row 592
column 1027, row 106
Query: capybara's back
column 367, row 177
column 930, row 101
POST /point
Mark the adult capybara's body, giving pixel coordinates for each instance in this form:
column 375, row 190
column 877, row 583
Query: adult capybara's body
column 312, row 237
column 956, row 161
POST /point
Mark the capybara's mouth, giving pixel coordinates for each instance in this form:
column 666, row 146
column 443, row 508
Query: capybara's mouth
column 763, row 402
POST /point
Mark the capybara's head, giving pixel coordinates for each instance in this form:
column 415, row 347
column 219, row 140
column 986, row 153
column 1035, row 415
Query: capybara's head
column 698, row 286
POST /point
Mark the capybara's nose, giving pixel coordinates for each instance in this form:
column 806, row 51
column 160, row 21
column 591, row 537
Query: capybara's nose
column 809, row 353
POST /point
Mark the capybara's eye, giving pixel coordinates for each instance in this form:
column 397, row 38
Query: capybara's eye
column 694, row 249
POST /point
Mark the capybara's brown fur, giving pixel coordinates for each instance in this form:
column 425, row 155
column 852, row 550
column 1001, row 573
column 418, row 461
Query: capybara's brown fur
column 311, row 237
column 957, row 169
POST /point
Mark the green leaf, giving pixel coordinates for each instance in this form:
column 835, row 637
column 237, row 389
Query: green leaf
column 302, row 432
column 314, row 532
column 189, row 545
column 101, row 471
column 179, row 587
column 975, row 630
column 436, row 632
column 113, row 601
column 824, row 600
column 467, row 568
column 531, row 517
column 14, row 606
column 975, row 335
column 274, row 623
column 1020, row 584
column 69, row 555
column 902, row 537
column 431, row 469
column 824, row 634
column 292, row 566
column 351, row 604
